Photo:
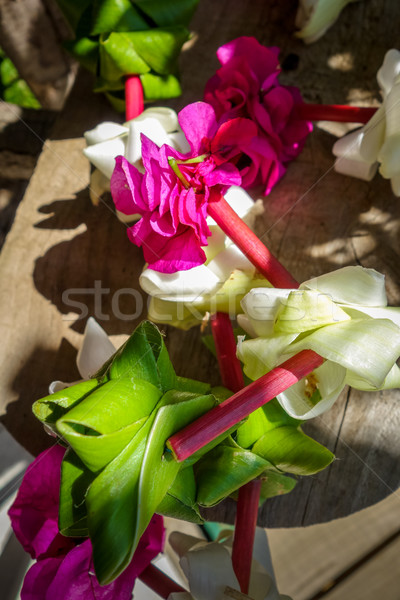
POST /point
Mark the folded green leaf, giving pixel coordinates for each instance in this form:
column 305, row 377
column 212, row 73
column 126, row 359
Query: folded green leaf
column 262, row 420
column 159, row 87
column 51, row 408
column 223, row 470
column 173, row 12
column 75, row 480
column 100, row 427
column 292, row 451
column 123, row 498
column 116, row 15
column 180, row 501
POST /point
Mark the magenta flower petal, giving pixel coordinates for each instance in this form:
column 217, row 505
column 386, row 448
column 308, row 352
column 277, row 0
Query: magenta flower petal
column 183, row 254
column 198, row 122
column 34, row 513
column 71, row 577
column 257, row 95
column 125, row 187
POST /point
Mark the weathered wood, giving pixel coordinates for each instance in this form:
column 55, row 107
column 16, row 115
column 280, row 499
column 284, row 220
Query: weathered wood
column 315, row 221
column 31, row 34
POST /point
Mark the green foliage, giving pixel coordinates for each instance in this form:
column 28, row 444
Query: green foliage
column 116, row 38
column 12, row 88
column 118, row 470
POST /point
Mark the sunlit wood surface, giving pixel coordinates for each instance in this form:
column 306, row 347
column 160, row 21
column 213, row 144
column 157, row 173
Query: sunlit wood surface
column 315, row 221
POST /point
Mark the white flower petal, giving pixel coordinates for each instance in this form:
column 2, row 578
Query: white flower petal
column 103, row 155
column 357, row 311
column 389, row 70
column 369, row 347
column 178, row 141
column 96, row 349
column 149, row 127
column 57, row 386
column 331, row 381
column 316, row 16
column 166, row 116
column 392, row 380
column 351, row 285
column 209, row 570
column 261, row 355
column 183, row 286
column 239, row 200
column 99, row 184
column 261, row 305
column 227, row 261
column 103, row 132
column 356, row 168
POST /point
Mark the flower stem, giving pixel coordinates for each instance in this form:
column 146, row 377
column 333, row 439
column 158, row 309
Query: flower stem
column 249, row 494
column 134, row 103
column 225, row 344
column 245, row 531
column 159, row 582
column 335, row 112
column 232, row 411
column 247, row 241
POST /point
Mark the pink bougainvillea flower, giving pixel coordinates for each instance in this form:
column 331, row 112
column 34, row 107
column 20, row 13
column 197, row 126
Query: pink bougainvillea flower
column 71, row 576
column 247, row 86
column 34, row 513
column 173, row 193
column 64, row 568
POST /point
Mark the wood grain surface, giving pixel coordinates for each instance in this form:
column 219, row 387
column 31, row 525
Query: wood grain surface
column 61, row 248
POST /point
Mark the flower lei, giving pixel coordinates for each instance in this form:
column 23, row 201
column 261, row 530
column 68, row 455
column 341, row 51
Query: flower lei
column 140, row 439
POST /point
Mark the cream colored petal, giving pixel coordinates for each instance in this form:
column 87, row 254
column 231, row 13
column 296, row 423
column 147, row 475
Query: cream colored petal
column 389, row 70
column 96, row 349
column 227, row 261
column 104, row 131
column 183, row 286
column 368, row 347
column 261, row 355
column 99, row 184
column 261, row 305
column 103, row 155
column 329, row 379
column 351, row 285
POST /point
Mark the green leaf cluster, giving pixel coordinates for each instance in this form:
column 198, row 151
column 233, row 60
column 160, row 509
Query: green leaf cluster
column 12, row 88
column 116, row 38
column 117, row 471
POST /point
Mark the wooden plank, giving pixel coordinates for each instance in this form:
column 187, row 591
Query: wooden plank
column 309, row 559
column 62, row 249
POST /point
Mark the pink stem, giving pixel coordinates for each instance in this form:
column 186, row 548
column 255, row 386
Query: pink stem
column 247, row 241
column 159, row 582
column 249, row 494
column 229, row 413
column 334, row 112
column 245, row 531
column 134, row 103
column 225, row 344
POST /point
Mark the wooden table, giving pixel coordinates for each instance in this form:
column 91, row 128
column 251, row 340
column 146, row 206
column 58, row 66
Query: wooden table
column 315, row 221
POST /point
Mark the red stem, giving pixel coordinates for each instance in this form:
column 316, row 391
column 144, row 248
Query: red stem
column 134, row 103
column 334, row 112
column 265, row 262
column 229, row 413
column 225, row 344
column 159, row 582
column 245, row 531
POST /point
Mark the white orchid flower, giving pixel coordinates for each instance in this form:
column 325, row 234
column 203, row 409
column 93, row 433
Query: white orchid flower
column 315, row 17
column 377, row 144
column 181, row 299
column 208, row 569
column 108, row 140
column 344, row 317
column 95, row 350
